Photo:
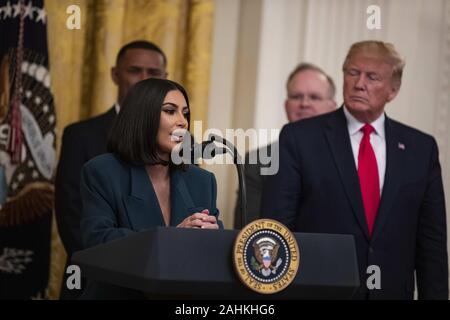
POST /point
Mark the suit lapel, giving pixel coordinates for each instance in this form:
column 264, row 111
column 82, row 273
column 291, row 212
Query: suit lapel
column 109, row 118
column 339, row 141
column 142, row 204
column 393, row 176
column 181, row 200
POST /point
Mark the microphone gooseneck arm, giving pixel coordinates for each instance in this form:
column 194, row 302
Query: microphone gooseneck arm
column 237, row 160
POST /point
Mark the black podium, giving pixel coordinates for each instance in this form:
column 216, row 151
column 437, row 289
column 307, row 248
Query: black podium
column 198, row 263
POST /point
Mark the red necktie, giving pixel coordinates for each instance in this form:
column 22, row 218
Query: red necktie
column 368, row 177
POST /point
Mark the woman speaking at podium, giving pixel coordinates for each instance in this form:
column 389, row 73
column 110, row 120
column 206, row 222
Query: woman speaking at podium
column 136, row 186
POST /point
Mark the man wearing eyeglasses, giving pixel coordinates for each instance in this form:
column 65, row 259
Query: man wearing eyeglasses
column 310, row 92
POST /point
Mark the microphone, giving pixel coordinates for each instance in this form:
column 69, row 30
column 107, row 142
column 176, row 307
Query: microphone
column 198, row 149
column 190, row 152
column 206, row 150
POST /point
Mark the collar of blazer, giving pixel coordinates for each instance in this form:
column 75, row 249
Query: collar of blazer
column 339, row 142
column 142, row 203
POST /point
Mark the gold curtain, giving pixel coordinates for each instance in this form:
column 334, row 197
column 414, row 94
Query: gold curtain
column 81, row 60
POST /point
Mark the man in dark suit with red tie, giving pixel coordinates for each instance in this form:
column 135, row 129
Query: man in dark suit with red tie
column 82, row 141
column 356, row 171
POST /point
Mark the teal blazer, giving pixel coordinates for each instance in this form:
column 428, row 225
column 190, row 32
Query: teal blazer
column 118, row 198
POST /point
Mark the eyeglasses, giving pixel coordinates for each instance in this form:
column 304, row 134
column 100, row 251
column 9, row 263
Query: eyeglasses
column 311, row 97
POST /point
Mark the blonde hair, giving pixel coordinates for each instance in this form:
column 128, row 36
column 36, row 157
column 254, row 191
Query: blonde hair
column 378, row 49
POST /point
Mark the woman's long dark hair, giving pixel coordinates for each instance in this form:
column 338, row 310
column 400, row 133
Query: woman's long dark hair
column 133, row 135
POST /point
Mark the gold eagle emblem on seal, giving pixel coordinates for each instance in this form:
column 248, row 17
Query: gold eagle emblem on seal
column 266, row 256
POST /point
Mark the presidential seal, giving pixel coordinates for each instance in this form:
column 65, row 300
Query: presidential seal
column 266, row 256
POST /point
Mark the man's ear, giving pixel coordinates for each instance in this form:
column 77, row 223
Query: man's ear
column 286, row 106
column 395, row 88
column 114, row 75
column 333, row 104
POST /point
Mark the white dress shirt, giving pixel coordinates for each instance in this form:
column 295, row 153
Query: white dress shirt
column 377, row 140
column 117, row 107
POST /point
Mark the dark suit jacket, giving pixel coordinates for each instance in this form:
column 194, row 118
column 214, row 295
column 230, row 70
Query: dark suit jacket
column 119, row 199
column 317, row 190
column 254, row 182
column 81, row 142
